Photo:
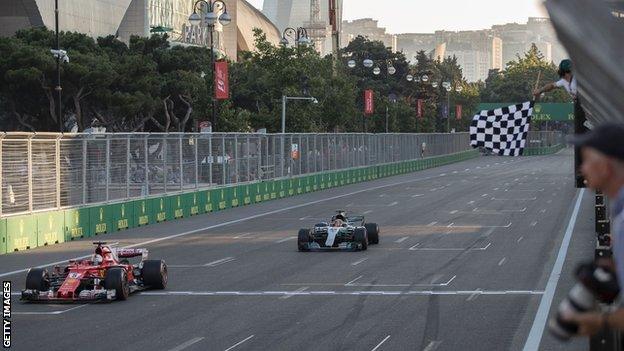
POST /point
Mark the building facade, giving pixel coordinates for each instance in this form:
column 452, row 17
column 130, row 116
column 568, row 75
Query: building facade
column 368, row 28
column 94, row 17
column 125, row 18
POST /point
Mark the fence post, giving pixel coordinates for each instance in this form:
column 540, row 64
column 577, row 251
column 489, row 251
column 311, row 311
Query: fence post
column 164, row 156
column 196, row 143
column 210, row 159
column 127, row 166
column 30, row 187
column 84, row 171
column 107, row 166
column 180, row 163
column 224, row 160
column 248, row 157
column 57, row 161
column 146, row 147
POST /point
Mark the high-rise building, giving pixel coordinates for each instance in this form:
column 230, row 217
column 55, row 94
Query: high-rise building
column 368, row 28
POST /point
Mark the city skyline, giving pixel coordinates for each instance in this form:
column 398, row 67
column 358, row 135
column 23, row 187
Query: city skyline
column 474, row 15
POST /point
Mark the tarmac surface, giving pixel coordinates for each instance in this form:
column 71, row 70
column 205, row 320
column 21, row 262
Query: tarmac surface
column 470, row 258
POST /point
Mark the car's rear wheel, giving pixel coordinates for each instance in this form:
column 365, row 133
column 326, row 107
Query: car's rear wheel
column 303, row 240
column 360, row 237
column 116, row 279
column 372, row 230
column 37, row 279
column 154, row 274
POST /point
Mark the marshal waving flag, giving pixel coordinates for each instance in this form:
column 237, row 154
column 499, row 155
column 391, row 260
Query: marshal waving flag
column 502, row 130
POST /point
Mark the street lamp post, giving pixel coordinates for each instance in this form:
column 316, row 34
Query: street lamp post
column 209, row 20
column 300, row 35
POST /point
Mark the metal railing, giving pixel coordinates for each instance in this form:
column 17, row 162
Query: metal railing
column 45, row 171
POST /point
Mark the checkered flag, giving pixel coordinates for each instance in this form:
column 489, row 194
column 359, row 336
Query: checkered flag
column 502, row 130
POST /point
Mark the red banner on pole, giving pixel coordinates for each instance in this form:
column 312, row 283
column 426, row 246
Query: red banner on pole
column 419, row 108
column 458, row 111
column 369, row 105
column 222, row 89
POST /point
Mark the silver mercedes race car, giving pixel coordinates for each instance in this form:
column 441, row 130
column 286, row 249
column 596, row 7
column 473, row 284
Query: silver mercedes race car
column 350, row 232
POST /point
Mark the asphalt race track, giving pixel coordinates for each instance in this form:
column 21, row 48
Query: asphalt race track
column 465, row 255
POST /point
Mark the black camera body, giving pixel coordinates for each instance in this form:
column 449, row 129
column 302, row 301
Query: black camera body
column 596, row 284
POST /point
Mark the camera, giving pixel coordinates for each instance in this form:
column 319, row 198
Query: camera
column 595, row 284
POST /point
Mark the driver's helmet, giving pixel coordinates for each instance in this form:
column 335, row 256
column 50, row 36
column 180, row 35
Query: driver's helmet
column 341, row 215
column 97, row 259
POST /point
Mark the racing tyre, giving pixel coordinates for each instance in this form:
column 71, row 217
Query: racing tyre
column 372, row 230
column 154, row 274
column 361, row 238
column 37, row 279
column 116, row 279
column 303, row 240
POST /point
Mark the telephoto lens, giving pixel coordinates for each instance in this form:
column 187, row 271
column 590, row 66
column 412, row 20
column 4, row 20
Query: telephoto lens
column 594, row 284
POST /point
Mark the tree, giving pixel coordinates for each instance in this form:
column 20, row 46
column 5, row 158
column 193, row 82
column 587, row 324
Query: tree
column 517, row 81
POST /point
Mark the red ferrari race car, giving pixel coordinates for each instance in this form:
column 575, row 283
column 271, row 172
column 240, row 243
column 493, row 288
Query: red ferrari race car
column 107, row 276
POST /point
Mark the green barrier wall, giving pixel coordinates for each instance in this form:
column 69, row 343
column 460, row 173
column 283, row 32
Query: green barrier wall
column 21, row 233
column 50, row 228
column 3, row 238
column 100, row 220
column 122, row 216
column 76, row 224
column 160, row 209
column 142, row 212
column 24, row 232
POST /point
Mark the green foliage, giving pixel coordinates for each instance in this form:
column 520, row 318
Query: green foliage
column 519, row 78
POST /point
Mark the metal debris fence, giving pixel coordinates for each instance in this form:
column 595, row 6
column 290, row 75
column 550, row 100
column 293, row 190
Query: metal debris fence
column 46, row 171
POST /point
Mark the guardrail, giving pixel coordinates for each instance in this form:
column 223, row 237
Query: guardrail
column 148, row 201
column 46, row 171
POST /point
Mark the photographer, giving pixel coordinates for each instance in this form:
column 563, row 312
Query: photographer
column 603, row 167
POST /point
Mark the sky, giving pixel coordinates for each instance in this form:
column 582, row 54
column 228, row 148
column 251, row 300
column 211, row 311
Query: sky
column 420, row 16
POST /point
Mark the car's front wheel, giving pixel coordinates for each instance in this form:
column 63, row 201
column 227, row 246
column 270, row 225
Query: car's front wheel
column 360, row 237
column 303, row 240
column 37, row 279
column 154, row 274
column 372, row 230
column 116, row 279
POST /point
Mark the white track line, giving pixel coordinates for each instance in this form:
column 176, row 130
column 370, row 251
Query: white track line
column 344, row 293
column 535, row 335
column 433, row 345
column 187, row 344
column 235, row 221
column 238, row 343
column 502, row 261
column 219, row 262
column 48, row 312
column 300, row 290
column 382, row 341
column 415, row 248
column 353, row 281
column 286, row 239
column 244, row 236
column 358, row 261
column 401, row 239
